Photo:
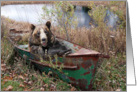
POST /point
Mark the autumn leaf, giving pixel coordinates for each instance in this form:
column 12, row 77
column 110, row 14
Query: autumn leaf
column 73, row 89
column 9, row 88
column 7, row 78
column 21, row 77
column 52, row 87
column 26, row 75
column 4, row 82
column 3, row 67
column 45, row 85
column 25, row 89
column 118, row 89
column 25, row 82
column 41, row 89
column 21, row 85
column 30, row 82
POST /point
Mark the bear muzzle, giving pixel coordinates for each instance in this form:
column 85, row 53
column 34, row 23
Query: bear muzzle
column 44, row 42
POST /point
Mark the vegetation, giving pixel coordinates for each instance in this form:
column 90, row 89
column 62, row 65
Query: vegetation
column 64, row 16
column 17, row 76
column 111, row 73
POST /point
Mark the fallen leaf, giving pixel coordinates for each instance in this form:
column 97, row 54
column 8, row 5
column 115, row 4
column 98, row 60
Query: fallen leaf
column 31, row 88
column 25, row 89
column 21, row 85
column 21, row 77
column 14, row 75
column 41, row 89
column 3, row 67
column 7, row 78
column 118, row 89
column 30, row 82
column 52, row 87
column 4, row 82
column 25, row 75
column 9, row 88
column 35, row 75
column 25, row 82
column 45, row 85
column 73, row 89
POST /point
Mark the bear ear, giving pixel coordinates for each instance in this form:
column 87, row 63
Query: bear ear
column 48, row 24
column 32, row 27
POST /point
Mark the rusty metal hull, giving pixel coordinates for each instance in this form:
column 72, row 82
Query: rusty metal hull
column 78, row 67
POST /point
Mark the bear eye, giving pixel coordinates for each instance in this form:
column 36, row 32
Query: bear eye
column 38, row 33
column 46, row 32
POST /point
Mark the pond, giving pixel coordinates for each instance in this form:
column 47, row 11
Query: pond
column 32, row 13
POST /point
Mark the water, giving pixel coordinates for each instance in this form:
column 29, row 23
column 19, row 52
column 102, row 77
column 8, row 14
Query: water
column 28, row 13
column 112, row 19
column 32, row 13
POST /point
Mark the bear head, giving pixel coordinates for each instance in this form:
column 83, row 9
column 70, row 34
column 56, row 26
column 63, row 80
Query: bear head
column 40, row 33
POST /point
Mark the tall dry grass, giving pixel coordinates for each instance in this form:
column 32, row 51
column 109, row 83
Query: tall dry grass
column 103, row 40
column 106, row 41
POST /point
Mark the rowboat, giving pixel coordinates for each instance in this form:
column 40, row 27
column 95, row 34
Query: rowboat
column 77, row 68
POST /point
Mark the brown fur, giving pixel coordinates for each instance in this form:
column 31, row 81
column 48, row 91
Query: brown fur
column 34, row 40
column 54, row 46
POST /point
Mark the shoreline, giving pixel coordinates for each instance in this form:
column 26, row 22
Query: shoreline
column 111, row 4
column 82, row 3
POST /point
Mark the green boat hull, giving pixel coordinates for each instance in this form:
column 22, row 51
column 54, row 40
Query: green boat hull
column 79, row 69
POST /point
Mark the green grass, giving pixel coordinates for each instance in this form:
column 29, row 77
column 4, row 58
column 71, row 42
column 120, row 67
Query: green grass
column 63, row 86
column 15, row 85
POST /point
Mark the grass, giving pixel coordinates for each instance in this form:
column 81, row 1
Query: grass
column 15, row 85
column 111, row 73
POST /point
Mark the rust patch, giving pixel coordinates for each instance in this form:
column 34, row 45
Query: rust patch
column 94, row 62
column 86, row 73
column 82, row 83
column 86, row 65
column 86, row 58
column 94, row 58
column 72, row 79
column 90, row 85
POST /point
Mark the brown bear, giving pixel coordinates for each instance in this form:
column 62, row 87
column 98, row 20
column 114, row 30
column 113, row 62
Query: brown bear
column 43, row 42
column 41, row 38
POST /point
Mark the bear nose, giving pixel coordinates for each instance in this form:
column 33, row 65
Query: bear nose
column 43, row 39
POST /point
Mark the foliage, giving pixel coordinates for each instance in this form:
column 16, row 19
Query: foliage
column 119, row 8
column 63, row 12
column 111, row 73
column 98, row 13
